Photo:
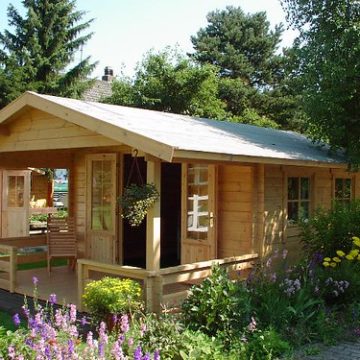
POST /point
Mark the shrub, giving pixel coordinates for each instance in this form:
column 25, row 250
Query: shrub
column 217, row 305
column 266, row 344
column 329, row 230
column 112, row 296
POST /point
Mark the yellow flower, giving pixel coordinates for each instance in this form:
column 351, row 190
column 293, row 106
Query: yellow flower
column 336, row 259
column 349, row 257
column 327, row 259
column 326, row 263
column 354, row 252
column 356, row 241
column 333, row 264
column 340, row 253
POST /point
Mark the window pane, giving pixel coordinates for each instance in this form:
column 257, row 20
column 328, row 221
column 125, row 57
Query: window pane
column 293, row 210
column 304, row 210
column 101, row 218
column 15, row 191
column 305, row 188
column 338, row 188
column 197, row 202
column 293, row 188
column 347, row 189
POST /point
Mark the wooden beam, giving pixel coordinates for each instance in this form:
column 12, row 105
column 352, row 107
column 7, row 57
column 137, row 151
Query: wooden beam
column 153, row 220
column 258, row 209
column 191, row 156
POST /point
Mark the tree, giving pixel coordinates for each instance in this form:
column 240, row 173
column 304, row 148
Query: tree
column 168, row 81
column 36, row 56
column 252, row 71
column 328, row 53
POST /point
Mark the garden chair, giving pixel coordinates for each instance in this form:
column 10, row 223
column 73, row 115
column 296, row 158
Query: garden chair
column 61, row 240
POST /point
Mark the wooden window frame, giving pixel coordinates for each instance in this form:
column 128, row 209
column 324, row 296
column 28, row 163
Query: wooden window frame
column 352, row 187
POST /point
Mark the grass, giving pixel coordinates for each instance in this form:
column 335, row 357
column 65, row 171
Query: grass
column 42, row 264
column 6, row 321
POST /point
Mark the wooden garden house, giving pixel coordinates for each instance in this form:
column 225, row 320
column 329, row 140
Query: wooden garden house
column 228, row 191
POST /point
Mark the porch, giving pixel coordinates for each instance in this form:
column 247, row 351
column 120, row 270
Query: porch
column 166, row 287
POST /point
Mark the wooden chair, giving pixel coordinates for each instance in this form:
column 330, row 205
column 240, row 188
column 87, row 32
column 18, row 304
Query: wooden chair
column 61, row 240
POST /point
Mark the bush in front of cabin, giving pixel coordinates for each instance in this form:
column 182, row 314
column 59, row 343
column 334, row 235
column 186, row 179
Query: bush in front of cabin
column 112, row 296
column 218, row 306
column 329, row 230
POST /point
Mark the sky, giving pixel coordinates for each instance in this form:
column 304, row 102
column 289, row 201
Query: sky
column 124, row 30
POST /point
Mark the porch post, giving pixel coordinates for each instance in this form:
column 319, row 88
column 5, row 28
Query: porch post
column 258, row 209
column 153, row 230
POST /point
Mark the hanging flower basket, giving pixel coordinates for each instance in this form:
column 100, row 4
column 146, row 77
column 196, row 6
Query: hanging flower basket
column 136, row 201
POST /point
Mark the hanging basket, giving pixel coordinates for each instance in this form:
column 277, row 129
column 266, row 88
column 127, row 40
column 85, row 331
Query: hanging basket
column 136, row 202
column 137, row 199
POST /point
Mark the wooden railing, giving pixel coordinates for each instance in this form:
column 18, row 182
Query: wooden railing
column 8, row 261
column 27, row 242
column 87, row 270
column 11, row 256
column 167, row 286
column 190, row 274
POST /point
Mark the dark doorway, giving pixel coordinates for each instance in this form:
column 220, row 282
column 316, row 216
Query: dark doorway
column 134, row 238
column 170, row 214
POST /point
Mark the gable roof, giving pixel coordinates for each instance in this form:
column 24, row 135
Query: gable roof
column 172, row 136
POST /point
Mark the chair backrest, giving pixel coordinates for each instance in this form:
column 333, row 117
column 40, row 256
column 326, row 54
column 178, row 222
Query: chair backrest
column 61, row 237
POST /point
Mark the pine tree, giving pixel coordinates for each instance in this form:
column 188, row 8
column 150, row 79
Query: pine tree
column 37, row 55
column 252, row 71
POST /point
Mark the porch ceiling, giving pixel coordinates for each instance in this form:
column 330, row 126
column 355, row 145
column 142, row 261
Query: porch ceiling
column 170, row 136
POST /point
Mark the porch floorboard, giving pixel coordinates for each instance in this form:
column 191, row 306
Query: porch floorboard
column 62, row 282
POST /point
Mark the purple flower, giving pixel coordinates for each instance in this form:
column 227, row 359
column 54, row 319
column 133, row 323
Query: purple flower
column 124, row 323
column 35, row 280
column 71, row 347
column 138, row 353
column 83, row 321
column 146, row 357
column 52, row 299
column 16, row 319
column 157, row 355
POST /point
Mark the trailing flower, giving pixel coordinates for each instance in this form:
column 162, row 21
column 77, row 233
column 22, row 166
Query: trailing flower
column 136, row 202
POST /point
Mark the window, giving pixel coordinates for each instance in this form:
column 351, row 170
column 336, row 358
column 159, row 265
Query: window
column 197, row 202
column 101, row 195
column 298, row 202
column 343, row 189
column 15, row 191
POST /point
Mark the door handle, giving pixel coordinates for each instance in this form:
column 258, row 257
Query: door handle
column 211, row 219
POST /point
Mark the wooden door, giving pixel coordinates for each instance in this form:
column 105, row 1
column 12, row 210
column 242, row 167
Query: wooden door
column 198, row 213
column 101, row 227
column 15, row 203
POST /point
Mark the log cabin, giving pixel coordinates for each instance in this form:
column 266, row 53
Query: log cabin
column 228, row 192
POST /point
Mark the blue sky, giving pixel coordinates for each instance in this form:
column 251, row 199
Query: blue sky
column 124, row 30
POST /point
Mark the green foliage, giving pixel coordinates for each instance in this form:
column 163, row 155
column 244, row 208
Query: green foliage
column 217, row 305
column 36, row 56
column 170, row 82
column 328, row 59
column 136, row 201
column 330, row 230
column 266, row 344
column 112, row 296
column 254, row 76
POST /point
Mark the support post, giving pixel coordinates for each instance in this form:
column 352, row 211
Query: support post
column 258, row 209
column 13, row 266
column 80, row 284
column 153, row 232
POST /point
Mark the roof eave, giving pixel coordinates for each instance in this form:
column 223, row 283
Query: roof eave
column 184, row 155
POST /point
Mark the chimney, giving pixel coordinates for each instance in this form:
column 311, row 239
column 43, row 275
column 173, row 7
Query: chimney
column 108, row 74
